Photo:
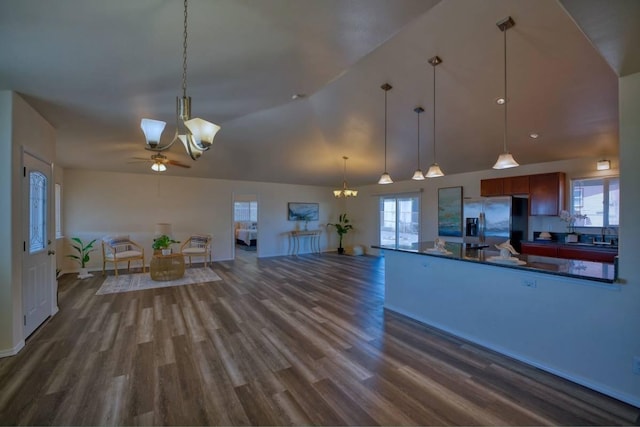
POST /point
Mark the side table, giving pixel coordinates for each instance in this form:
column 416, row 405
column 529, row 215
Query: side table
column 166, row 267
column 314, row 240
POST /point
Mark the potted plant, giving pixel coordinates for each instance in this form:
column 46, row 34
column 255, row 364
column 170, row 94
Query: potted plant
column 342, row 228
column 163, row 243
column 83, row 255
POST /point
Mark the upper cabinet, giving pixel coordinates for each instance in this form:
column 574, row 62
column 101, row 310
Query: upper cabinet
column 510, row 186
column 545, row 191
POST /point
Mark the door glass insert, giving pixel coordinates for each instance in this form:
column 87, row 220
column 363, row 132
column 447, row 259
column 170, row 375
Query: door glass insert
column 37, row 211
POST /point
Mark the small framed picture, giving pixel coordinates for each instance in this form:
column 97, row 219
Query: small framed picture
column 303, row 211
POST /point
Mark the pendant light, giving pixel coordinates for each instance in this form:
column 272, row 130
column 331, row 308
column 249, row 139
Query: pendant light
column 385, row 178
column 434, row 170
column 418, row 175
column 344, row 191
column 505, row 160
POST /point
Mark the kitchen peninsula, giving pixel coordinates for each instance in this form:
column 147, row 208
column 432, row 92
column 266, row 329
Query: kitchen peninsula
column 531, row 312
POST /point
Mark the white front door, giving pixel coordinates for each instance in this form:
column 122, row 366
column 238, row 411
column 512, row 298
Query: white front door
column 37, row 272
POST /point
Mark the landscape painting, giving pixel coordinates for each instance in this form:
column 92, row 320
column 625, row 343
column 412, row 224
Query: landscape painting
column 304, row 211
column 450, row 211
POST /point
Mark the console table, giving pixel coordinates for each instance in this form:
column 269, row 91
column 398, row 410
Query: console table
column 166, row 267
column 312, row 235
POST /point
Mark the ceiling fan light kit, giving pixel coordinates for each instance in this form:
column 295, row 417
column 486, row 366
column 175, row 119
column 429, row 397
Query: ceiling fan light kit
column 385, row 178
column 505, row 160
column 195, row 134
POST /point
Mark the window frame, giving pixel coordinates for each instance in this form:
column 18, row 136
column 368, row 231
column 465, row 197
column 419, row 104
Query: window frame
column 397, row 197
column 606, row 182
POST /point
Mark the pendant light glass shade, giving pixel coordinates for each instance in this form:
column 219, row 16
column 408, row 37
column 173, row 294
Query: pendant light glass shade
column 434, row 170
column 418, row 175
column 505, row 160
column 385, row 178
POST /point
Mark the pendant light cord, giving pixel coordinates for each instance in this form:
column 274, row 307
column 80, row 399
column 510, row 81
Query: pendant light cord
column 184, row 54
column 385, row 130
column 418, row 111
column 505, row 90
column 434, row 113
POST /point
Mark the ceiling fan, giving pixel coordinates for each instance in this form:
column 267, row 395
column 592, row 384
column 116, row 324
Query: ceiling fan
column 160, row 162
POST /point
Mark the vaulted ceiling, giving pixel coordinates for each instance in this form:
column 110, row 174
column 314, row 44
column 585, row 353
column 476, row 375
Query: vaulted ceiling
column 94, row 68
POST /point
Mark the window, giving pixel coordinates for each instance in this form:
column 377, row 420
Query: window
column 245, row 211
column 58, row 202
column 598, row 199
column 400, row 221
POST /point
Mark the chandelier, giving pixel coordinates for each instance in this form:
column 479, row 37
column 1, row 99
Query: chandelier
column 195, row 134
column 344, row 191
column 385, row 178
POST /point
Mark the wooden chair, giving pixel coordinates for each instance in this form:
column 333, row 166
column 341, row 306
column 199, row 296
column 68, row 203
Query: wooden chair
column 117, row 249
column 197, row 245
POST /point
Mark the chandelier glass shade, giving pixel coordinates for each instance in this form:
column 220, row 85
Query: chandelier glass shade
column 195, row 134
column 158, row 167
column 385, row 178
column 434, row 170
column 344, row 191
column 505, row 160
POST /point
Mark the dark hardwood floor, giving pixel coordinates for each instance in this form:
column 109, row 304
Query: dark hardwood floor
column 279, row 341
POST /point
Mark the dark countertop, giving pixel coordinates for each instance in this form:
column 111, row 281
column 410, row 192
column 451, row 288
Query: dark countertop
column 587, row 270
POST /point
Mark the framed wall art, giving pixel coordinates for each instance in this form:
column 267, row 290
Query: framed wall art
column 303, row 211
column 450, row 211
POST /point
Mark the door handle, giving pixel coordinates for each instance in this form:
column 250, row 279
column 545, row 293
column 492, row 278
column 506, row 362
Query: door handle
column 50, row 252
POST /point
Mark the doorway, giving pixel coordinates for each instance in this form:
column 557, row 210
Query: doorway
column 38, row 275
column 245, row 226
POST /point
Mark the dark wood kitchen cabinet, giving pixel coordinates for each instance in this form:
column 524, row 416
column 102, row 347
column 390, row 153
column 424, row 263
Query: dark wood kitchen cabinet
column 515, row 185
column 546, row 193
column 559, row 250
column 509, row 186
column 491, row 187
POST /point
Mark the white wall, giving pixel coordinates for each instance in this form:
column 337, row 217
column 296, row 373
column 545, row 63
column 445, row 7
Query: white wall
column 22, row 129
column 102, row 203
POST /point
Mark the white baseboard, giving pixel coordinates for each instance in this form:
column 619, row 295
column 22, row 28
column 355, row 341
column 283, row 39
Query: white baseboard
column 12, row 351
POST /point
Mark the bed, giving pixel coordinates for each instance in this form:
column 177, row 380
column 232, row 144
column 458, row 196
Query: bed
column 246, row 233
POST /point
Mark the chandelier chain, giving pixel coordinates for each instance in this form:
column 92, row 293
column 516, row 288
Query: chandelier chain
column 385, row 130
column 184, row 53
column 418, row 139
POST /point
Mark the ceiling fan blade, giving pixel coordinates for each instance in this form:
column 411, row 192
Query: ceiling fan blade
column 176, row 163
column 139, row 160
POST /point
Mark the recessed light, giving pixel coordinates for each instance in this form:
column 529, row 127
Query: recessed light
column 534, row 135
column 500, row 101
column 298, row 96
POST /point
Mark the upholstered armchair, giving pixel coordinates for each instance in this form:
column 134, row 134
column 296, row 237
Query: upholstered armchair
column 197, row 245
column 117, row 249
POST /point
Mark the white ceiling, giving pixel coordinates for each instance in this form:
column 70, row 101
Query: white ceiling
column 94, row 68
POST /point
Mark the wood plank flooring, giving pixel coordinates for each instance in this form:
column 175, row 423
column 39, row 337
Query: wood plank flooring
column 279, row 341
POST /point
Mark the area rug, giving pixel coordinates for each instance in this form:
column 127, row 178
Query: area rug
column 141, row 281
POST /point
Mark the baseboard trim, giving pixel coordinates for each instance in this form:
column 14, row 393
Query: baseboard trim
column 12, row 351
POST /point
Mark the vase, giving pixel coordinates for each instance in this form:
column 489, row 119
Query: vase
column 84, row 273
column 166, row 251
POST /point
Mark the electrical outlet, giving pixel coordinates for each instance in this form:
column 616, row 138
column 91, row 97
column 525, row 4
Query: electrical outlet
column 530, row 283
column 636, row 365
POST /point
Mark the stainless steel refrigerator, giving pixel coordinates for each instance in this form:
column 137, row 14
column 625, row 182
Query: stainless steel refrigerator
column 491, row 220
